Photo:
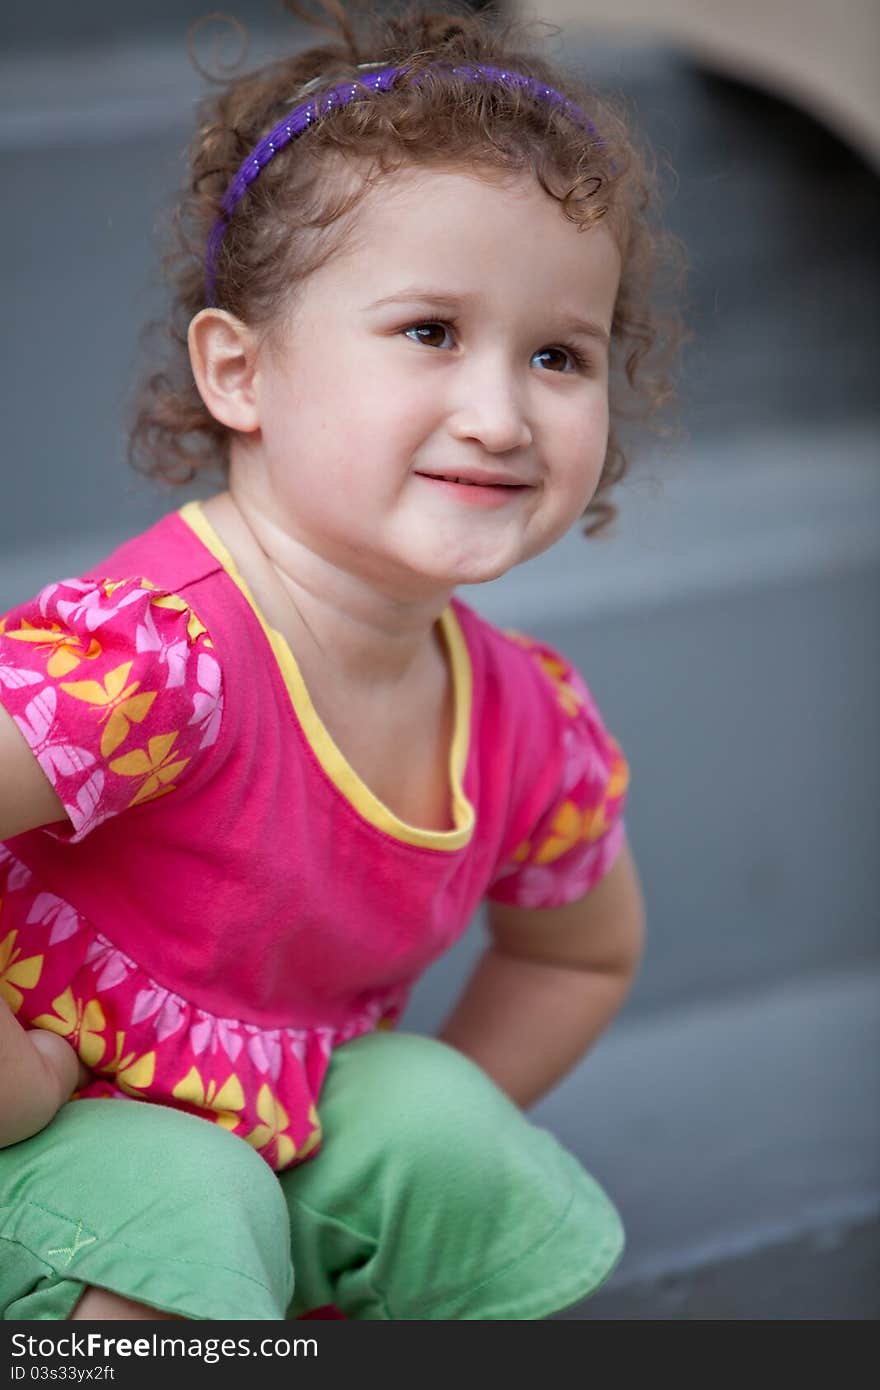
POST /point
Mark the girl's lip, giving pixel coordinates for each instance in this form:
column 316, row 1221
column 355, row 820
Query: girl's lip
column 477, row 479
column 476, row 495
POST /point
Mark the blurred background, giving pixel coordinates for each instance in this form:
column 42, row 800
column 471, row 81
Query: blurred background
column 728, row 624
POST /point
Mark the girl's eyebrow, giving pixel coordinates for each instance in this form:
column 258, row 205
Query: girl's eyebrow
column 419, row 294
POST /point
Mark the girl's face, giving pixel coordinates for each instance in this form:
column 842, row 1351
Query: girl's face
column 434, row 408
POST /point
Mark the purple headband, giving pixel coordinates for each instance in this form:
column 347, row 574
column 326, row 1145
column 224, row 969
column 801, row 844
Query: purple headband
column 305, row 114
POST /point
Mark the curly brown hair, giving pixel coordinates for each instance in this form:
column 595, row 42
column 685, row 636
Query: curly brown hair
column 293, row 217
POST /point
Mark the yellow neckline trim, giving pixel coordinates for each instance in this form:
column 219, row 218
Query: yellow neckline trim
column 332, row 760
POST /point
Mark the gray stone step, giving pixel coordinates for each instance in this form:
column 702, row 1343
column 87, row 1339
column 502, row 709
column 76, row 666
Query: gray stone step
column 832, row 1272
column 741, row 1140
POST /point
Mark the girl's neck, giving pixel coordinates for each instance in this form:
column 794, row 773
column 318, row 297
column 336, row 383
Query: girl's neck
column 336, row 621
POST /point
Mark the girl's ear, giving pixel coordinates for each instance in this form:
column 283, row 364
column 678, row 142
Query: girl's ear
column 223, row 355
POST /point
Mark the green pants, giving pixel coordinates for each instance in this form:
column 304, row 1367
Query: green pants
column 432, row 1197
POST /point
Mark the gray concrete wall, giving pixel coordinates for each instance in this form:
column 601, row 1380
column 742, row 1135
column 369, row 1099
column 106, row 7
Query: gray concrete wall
column 820, row 56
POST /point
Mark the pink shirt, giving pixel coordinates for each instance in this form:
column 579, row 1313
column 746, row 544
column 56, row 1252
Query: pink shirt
column 256, row 904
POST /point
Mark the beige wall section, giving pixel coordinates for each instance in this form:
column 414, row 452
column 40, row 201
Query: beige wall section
column 821, row 53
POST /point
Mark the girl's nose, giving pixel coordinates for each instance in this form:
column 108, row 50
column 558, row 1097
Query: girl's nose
column 490, row 412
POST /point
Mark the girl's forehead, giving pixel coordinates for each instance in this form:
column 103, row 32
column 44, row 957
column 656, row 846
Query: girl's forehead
column 445, row 211
column 438, row 184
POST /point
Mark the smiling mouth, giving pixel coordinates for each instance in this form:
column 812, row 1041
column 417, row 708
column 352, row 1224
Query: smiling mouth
column 472, row 482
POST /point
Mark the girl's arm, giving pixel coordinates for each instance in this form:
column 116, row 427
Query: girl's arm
column 549, row 983
column 27, row 799
column 38, row 1071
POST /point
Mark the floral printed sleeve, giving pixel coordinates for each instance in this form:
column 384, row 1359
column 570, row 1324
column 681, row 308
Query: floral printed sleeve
column 575, row 836
column 115, row 687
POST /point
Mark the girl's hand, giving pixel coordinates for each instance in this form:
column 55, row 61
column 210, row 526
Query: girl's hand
column 38, row 1073
column 60, row 1058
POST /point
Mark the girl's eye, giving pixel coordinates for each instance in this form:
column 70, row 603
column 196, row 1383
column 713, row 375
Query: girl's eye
column 578, row 363
column 438, row 329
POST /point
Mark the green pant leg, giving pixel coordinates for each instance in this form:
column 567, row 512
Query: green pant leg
column 160, row 1206
column 434, row 1197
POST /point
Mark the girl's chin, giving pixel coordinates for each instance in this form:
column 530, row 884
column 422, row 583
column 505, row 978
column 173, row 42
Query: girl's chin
column 468, row 571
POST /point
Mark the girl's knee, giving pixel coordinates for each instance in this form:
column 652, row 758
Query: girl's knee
column 145, row 1164
column 415, row 1102
column 407, row 1077
column 125, row 1143
column 148, row 1203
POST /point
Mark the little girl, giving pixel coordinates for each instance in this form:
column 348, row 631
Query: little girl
column 260, row 767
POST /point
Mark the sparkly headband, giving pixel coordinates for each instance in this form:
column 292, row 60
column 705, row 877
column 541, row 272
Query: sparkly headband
column 303, row 115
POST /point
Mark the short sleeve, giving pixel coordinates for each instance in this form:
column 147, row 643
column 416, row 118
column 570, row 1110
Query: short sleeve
column 116, row 689
column 574, row 830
